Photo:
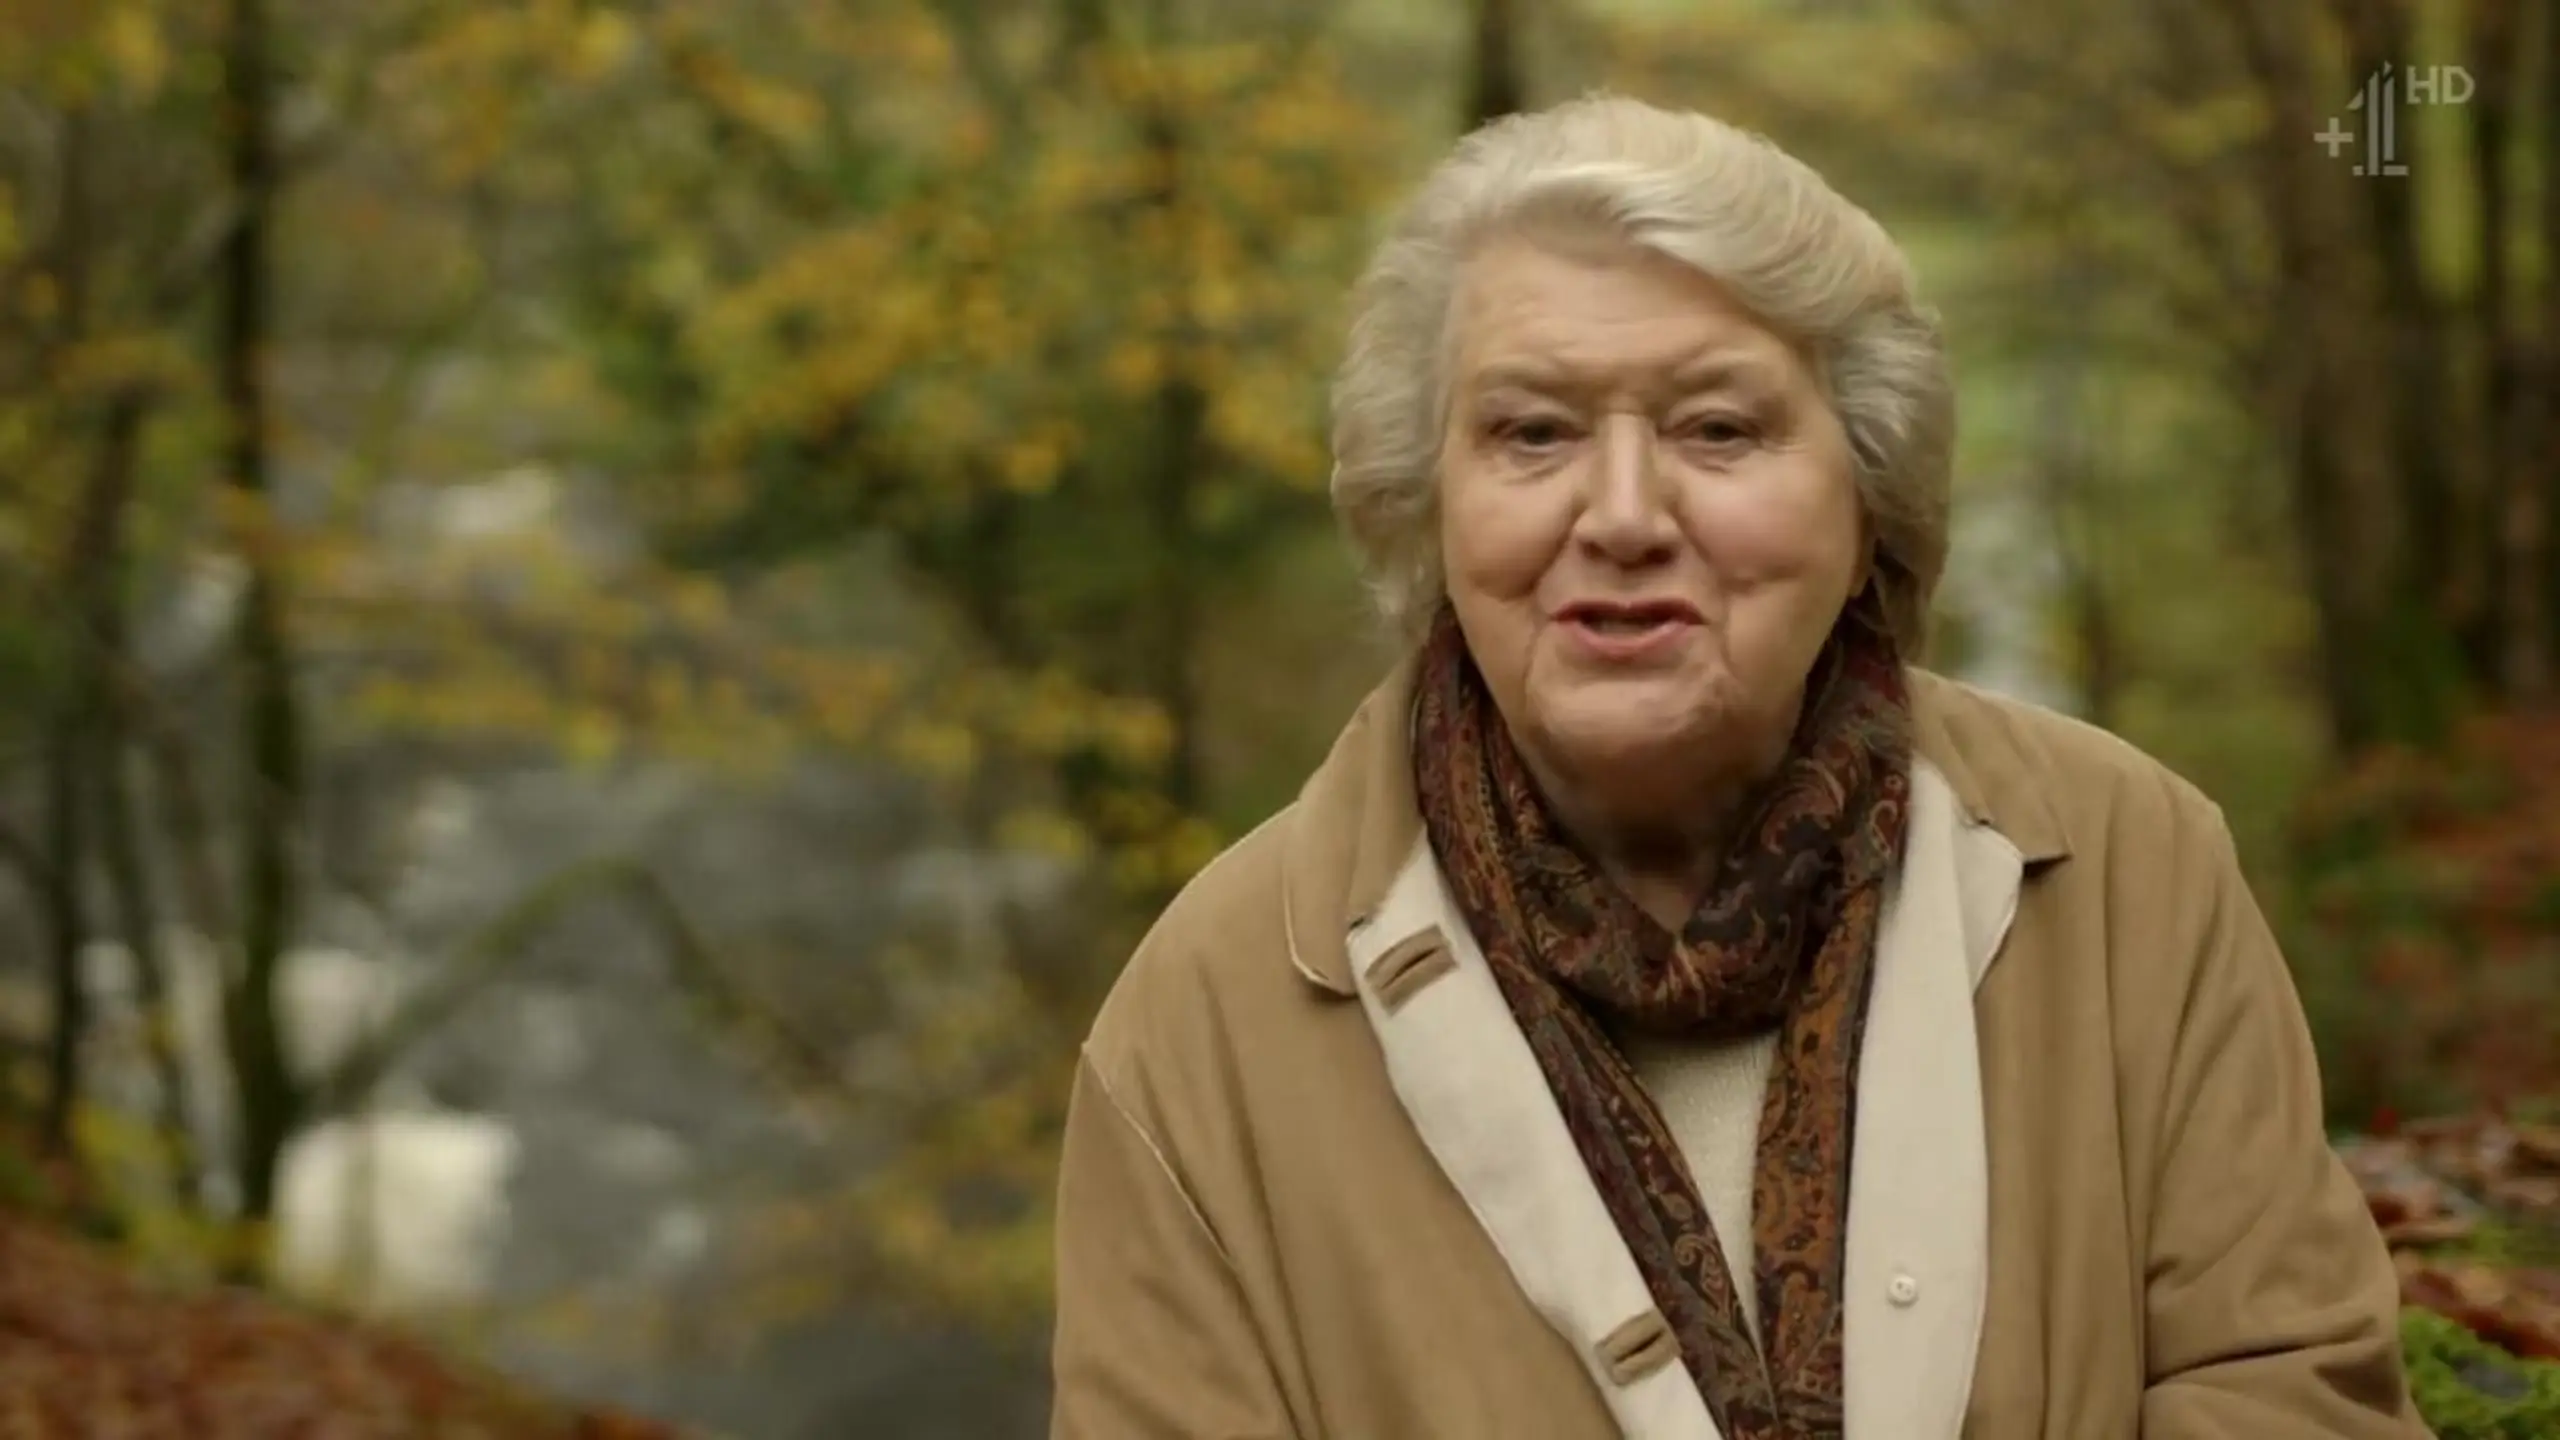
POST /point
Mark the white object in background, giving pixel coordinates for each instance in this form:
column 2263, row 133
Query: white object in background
column 400, row 1212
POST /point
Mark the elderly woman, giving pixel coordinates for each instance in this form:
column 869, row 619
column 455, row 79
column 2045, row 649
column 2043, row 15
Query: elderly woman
column 1667, row 1012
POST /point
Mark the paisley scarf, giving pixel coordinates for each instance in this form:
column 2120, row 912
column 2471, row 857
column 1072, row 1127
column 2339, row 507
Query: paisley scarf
column 1784, row 941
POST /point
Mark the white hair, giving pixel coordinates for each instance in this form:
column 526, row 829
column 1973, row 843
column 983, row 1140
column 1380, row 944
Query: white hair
column 1727, row 203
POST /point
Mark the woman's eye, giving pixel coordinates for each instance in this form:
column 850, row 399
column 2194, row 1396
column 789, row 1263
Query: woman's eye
column 1533, row 433
column 1719, row 430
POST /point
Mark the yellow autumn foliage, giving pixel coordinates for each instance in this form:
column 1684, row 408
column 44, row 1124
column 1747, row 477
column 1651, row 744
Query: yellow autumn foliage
column 927, row 284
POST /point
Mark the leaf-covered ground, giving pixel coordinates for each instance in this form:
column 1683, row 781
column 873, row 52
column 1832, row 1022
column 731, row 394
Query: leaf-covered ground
column 2471, row 1207
column 89, row 1350
column 2433, row 882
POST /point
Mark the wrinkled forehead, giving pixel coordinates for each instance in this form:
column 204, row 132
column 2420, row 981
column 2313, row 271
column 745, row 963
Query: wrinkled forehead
column 1532, row 314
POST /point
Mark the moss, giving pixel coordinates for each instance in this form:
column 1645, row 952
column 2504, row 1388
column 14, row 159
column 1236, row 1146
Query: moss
column 2470, row 1390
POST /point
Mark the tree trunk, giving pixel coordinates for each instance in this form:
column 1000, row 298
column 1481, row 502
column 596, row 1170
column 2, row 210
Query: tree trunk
column 26, row 859
column 116, row 693
column 1180, row 455
column 1183, row 417
column 271, row 780
column 2538, row 400
column 96, row 755
column 2429, row 442
column 71, row 736
column 2326, row 422
column 188, row 830
column 138, row 917
column 1496, row 86
column 2067, row 490
column 2491, row 45
column 68, row 933
column 2343, row 298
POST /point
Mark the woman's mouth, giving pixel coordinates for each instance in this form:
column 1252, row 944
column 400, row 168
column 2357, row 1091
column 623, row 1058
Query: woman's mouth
column 1628, row 631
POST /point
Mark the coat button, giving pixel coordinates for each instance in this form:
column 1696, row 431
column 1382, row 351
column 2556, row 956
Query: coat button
column 1903, row 1291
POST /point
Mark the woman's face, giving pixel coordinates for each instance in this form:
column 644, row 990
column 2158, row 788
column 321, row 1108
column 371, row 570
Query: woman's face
column 1649, row 520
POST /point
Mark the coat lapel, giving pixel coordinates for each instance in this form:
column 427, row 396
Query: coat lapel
column 1475, row 1092
column 1919, row 1232
column 1918, row 1242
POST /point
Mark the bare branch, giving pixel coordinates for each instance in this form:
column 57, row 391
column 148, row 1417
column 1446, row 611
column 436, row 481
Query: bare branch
column 499, row 945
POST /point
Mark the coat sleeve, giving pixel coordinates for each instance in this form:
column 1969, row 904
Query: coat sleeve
column 1154, row 1340
column 2272, row 1305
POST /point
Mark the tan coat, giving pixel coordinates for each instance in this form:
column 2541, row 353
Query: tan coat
column 2090, row 1198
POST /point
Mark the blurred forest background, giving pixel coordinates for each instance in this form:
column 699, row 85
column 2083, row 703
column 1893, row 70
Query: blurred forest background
column 614, row 612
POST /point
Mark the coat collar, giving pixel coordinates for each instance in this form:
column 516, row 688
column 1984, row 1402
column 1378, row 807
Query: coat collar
column 1916, row 1267
column 1356, row 821
column 1350, row 832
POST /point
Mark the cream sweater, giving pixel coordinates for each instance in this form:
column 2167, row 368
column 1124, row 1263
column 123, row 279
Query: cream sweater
column 1711, row 1098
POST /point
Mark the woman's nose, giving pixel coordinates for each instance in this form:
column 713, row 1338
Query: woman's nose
column 1626, row 513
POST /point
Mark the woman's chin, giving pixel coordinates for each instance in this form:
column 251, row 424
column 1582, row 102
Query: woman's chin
column 1643, row 744
column 1642, row 718
column 1625, row 761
